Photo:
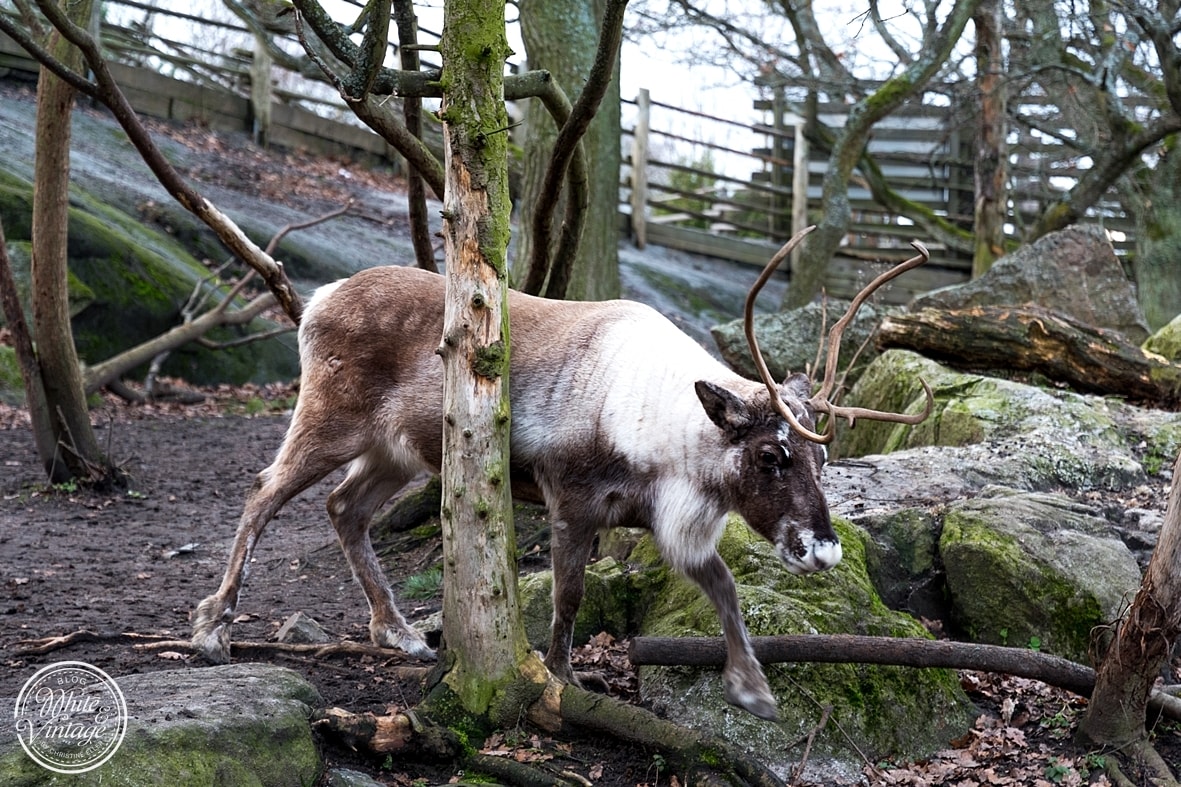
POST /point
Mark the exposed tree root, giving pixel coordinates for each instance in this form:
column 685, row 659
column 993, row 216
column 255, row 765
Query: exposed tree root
column 1147, row 760
column 569, row 709
column 693, row 751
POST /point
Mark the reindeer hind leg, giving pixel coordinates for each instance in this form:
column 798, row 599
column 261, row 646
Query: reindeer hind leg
column 303, row 460
column 372, row 479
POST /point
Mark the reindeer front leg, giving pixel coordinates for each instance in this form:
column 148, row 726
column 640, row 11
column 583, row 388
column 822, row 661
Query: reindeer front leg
column 570, row 546
column 743, row 679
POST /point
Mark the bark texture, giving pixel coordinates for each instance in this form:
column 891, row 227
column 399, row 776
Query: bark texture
column 76, row 452
column 1143, row 641
column 484, row 640
column 992, row 175
column 560, row 37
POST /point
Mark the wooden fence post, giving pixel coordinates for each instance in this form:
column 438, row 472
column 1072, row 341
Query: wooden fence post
column 639, row 198
column 779, row 154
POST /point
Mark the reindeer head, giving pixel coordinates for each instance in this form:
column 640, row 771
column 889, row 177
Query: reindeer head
column 776, row 486
column 783, row 452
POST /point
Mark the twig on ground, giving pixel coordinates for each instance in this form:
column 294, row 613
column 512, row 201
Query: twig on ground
column 798, row 772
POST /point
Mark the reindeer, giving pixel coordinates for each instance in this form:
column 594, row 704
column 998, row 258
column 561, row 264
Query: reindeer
column 619, row 418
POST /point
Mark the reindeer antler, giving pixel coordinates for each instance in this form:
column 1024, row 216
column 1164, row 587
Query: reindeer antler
column 820, row 401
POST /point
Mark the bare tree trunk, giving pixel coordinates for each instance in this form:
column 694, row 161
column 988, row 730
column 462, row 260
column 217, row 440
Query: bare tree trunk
column 484, row 639
column 850, row 145
column 76, row 450
column 26, row 358
column 420, row 231
column 561, row 37
column 1143, row 641
column 991, row 169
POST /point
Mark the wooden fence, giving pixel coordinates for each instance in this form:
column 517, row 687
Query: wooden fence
column 674, row 200
column 691, row 181
column 924, row 152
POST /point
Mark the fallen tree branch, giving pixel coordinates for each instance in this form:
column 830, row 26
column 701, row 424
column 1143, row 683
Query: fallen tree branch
column 156, row 642
column 893, row 651
column 38, row 647
column 1033, row 339
column 315, row 650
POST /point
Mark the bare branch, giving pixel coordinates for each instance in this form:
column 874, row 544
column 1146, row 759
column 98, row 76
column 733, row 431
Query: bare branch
column 420, row 233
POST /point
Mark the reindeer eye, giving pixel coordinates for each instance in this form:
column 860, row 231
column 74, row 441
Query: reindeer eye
column 772, row 456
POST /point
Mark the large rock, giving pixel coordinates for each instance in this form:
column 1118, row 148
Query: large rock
column 616, row 596
column 888, row 711
column 1009, row 433
column 239, row 725
column 127, row 284
column 789, row 340
column 1167, row 341
column 1034, row 570
column 1073, row 271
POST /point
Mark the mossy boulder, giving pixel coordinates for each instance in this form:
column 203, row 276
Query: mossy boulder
column 1167, row 341
column 128, row 283
column 889, row 711
column 902, row 558
column 1047, row 437
column 616, row 597
column 1027, row 569
column 240, row 724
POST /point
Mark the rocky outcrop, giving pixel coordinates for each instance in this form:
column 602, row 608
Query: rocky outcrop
column 128, row 283
column 790, row 340
column 239, row 724
column 1073, row 271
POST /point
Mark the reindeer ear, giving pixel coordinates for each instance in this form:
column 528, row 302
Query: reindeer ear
column 798, row 385
column 724, row 408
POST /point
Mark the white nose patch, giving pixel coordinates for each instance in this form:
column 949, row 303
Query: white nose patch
column 826, row 554
column 819, row 556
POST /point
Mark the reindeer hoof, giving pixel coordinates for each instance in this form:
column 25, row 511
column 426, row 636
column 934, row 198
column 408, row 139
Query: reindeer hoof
column 211, row 632
column 762, row 707
column 212, row 643
column 561, row 669
column 408, row 641
column 757, row 701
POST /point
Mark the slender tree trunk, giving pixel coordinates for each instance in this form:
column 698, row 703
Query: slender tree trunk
column 1143, row 641
column 991, row 170
column 1157, row 194
column 26, row 358
column 848, row 148
column 76, row 449
column 561, row 36
column 484, row 640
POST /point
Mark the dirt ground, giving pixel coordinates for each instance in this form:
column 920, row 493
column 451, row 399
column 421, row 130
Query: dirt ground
column 138, row 560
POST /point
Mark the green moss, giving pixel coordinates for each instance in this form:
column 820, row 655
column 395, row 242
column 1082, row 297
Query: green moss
column 490, row 360
column 1021, row 590
column 12, row 387
column 444, row 706
column 127, row 283
column 878, row 705
column 1163, row 447
column 615, row 599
